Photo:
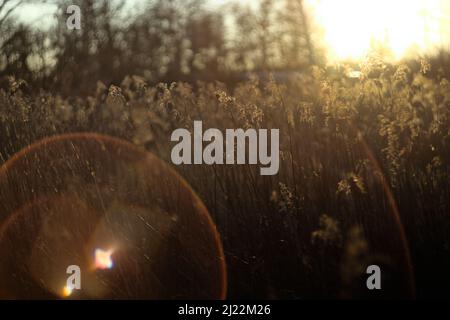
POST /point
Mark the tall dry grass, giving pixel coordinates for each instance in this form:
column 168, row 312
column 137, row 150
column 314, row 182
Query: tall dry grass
column 348, row 147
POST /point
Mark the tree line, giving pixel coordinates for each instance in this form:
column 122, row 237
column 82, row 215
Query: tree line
column 166, row 41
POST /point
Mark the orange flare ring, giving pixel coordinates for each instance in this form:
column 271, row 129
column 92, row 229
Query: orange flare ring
column 14, row 195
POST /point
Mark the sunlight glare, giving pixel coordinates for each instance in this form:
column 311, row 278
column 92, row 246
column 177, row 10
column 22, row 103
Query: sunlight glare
column 352, row 27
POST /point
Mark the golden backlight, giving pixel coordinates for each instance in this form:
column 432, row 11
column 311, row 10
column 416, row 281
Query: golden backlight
column 352, row 27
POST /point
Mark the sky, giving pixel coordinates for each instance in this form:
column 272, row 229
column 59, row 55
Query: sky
column 37, row 12
column 352, row 26
column 348, row 28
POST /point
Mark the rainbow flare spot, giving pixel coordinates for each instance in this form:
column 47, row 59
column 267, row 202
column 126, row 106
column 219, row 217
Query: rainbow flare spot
column 103, row 259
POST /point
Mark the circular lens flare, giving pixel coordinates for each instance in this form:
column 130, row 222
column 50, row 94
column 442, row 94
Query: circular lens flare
column 130, row 224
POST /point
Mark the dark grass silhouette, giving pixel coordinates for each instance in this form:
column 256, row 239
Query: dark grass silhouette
column 364, row 173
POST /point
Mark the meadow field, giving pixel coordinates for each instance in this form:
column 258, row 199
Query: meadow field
column 92, row 92
column 364, row 170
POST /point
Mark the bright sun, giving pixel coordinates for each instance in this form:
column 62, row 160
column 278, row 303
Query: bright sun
column 352, row 27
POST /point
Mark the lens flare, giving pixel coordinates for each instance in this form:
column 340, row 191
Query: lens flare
column 103, row 259
column 101, row 203
column 67, row 291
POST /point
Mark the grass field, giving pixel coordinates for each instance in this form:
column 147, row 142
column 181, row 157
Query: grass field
column 364, row 173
